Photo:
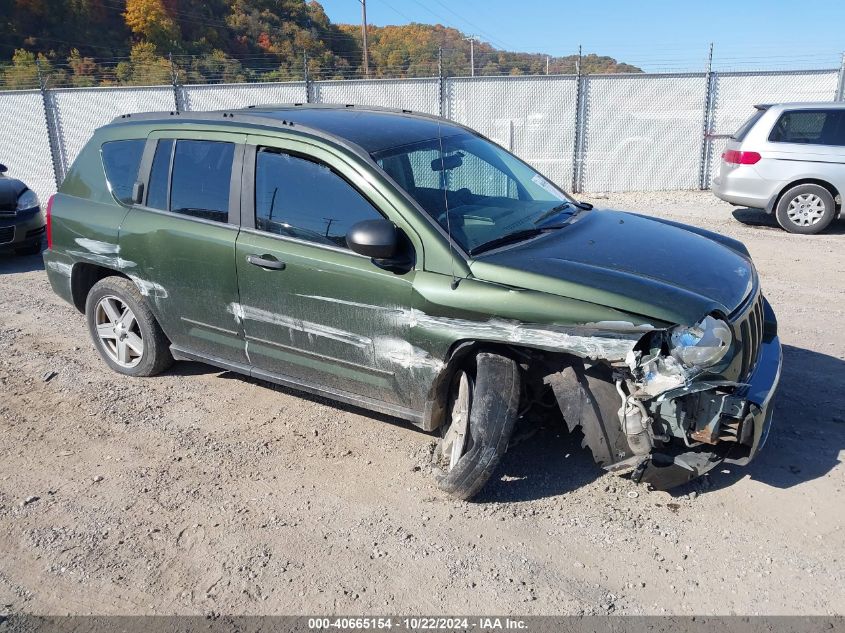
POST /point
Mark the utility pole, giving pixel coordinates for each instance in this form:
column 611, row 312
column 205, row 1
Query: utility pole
column 364, row 37
column 471, row 40
column 547, row 64
column 440, row 91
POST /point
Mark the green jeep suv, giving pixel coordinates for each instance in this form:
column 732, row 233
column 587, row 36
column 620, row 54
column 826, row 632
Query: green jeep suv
column 408, row 265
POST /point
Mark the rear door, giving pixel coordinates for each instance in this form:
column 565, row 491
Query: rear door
column 807, row 143
column 179, row 246
column 313, row 311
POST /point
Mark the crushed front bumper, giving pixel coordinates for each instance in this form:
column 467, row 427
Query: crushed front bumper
column 747, row 410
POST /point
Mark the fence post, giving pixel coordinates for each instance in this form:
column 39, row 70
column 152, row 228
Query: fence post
column 840, row 85
column 709, row 100
column 174, row 81
column 52, row 127
column 441, row 93
column 580, row 112
column 307, row 77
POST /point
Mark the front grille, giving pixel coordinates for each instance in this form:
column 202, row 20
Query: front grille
column 748, row 328
column 6, row 234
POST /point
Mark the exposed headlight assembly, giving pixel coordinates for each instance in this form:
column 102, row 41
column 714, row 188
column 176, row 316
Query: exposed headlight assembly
column 702, row 345
column 27, row 200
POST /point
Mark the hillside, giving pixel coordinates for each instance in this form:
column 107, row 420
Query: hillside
column 95, row 42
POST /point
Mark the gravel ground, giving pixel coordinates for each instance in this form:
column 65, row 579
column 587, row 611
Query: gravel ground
column 202, row 492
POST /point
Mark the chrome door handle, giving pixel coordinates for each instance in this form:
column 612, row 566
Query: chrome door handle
column 266, row 264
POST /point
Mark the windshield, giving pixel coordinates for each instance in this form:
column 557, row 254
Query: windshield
column 491, row 194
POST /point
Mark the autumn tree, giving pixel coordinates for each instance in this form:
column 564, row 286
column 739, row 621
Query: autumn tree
column 237, row 40
column 150, row 20
column 23, row 72
column 145, row 67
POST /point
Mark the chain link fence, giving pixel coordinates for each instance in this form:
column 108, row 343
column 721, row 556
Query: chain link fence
column 597, row 133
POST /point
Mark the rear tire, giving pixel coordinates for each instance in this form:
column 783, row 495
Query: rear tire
column 124, row 330
column 463, row 462
column 806, row 209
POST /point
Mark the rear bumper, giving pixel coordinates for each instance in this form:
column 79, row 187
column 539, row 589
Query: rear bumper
column 59, row 269
column 743, row 186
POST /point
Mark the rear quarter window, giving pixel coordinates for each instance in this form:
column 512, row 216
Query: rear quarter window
column 121, row 160
column 745, row 128
column 810, row 127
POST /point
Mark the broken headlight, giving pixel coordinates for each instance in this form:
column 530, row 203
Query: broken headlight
column 703, row 344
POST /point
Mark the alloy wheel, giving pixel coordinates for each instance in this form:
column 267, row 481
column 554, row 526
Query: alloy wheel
column 455, row 439
column 118, row 331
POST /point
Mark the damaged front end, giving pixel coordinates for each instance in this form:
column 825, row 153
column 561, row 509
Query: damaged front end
column 685, row 399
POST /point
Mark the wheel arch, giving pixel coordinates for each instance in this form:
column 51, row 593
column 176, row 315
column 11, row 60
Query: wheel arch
column 83, row 277
column 807, row 181
column 532, row 362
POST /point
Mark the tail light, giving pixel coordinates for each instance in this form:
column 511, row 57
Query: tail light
column 50, row 221
column 740, row 158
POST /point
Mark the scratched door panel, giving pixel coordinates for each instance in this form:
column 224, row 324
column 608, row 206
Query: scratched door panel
column 329, row 317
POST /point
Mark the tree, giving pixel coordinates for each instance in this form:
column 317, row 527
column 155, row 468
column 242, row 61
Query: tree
column 150, row 20
column 144, row 68
column 23, row 73
column 84, row 70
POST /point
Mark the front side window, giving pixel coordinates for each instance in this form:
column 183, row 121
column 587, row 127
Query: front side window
column 812, row 127
column 489, row 193
column 304, row 199
column 121, row 160
column 193, row 178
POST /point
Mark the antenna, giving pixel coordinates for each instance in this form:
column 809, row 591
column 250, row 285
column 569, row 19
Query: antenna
column 454, row 283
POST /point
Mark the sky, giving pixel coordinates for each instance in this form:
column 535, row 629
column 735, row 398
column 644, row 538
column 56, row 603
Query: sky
column 656, row 35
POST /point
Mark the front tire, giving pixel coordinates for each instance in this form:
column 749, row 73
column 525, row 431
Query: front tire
column 484, row 405
column 124, row 330
column 806, row 209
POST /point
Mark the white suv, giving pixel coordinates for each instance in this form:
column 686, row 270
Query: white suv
column 788, row 159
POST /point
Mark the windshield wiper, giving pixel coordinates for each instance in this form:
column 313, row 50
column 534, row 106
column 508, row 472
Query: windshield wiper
column 510, row 238
column 553, row 211
column 577, row 206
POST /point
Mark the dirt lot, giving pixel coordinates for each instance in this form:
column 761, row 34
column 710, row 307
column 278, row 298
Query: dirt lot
column 201, row 491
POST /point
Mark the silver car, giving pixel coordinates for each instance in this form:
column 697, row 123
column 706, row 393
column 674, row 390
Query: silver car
column 788, row 159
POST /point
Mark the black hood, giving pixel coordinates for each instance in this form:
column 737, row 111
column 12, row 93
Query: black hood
column 632, row 263
column 10, row 191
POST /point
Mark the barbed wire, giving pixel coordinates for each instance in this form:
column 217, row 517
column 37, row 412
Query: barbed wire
column 260, row 68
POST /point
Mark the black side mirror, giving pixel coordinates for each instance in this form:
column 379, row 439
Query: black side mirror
column 3, row 169
column 379, row 240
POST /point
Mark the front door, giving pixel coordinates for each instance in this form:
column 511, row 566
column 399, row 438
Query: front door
column 312, row 310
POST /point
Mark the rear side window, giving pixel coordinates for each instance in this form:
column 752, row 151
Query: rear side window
column 306, row 200
column 745, row 128
column 160, row 176
column 193, row 178
column 812, row 127
column 121, row 160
